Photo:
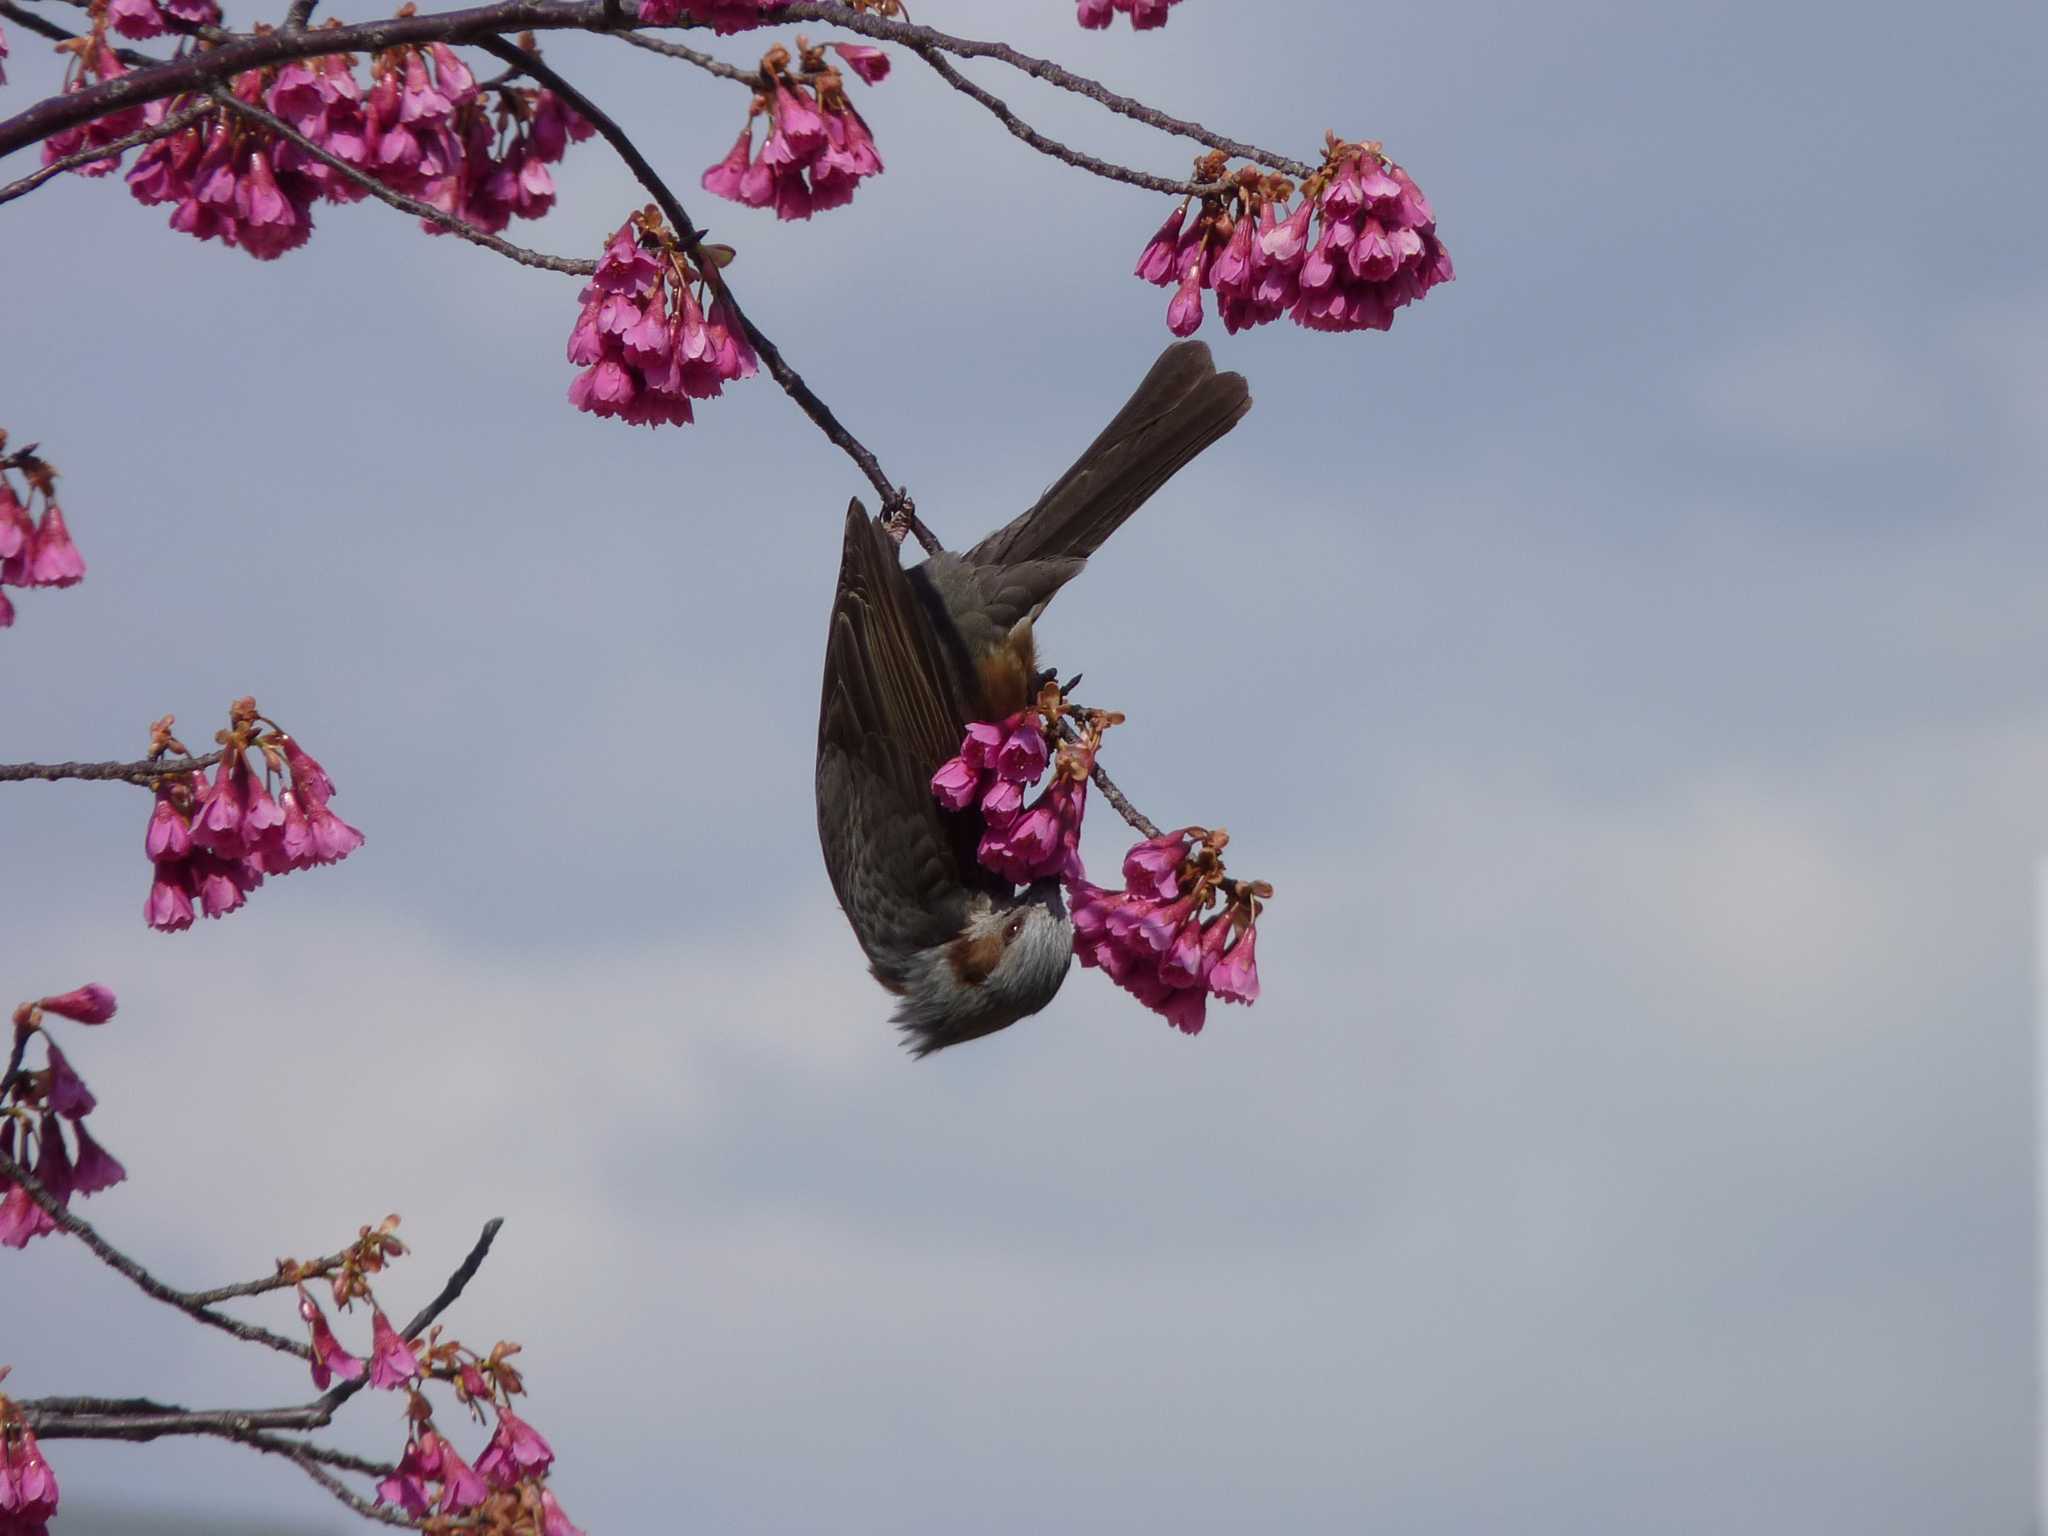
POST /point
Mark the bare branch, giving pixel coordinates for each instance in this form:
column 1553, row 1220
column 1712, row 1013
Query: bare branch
column 704, row 61
column 145, row 773
column 1079, row 159
column 141, row 1418
column 142, row 1279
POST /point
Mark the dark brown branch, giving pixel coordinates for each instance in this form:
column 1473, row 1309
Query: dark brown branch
column 142, row 1279
column 412, row 205
column 29, row 21
column 1079, row 159
column 176, row 122
column 145, row 773
column 690, row 237
column 199, row 71
column 140, row 1418
column 21, row 1034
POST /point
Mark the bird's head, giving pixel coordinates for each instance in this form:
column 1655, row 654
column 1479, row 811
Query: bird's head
column 1006, row 963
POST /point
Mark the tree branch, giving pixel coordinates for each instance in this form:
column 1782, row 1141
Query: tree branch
column 141, row 1418
column 748, row 77
column 142, row 1279
column 199, row 71
column 176, row 122
column 690, row 237
column 1079, row 159
column 145, row 773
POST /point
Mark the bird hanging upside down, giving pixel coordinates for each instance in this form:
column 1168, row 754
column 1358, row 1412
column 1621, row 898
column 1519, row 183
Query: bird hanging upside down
column 913, row 656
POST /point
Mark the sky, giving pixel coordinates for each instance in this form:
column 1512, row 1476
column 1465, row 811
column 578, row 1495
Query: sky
column 1627, row 670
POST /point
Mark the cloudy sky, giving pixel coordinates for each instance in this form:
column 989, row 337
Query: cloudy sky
column 1628, row 670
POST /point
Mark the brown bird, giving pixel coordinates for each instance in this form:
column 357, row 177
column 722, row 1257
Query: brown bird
column 913, row 656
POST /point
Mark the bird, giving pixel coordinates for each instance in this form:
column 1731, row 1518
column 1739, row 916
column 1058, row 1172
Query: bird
column 912, row 656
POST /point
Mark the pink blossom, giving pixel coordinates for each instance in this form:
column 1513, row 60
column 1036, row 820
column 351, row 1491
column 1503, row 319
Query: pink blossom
column 3, row 55
column 983, row 740
column 871, row 64
column 1235, row 977
column 661, row 13
column 407, row 1492
column 136, row 18
column 56, row 561
column 392, row 1362
column 955, row 783
column 95, row 1168
column 1184, row 1009
column 6, row 607
column 1156, row 261
column 553, row 1522
column 1027, row 849
column 170, row 833
column 1184, row 309
column 1022, row 757
column 329, row 1358
column 462, row 1486
column 66, row 1092
column 21, row 1219
column 28, row 1488
column 725, row 177
column 171, row 893
column 53, row 1161
column 1005, row 798
column 1152, row 868
column 1094, row 14
column 89, row 1004
column 516, row 1450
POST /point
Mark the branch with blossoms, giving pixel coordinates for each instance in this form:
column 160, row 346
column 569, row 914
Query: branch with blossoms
column 48, row 1159
column 241, row 131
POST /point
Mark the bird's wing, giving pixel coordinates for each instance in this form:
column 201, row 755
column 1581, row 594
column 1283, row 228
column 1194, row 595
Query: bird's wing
column 1182, row 407
column 891, row 714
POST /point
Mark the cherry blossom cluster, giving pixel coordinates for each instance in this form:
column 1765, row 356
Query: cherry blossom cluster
column 817, row 149
column 1151, row 938
column 656, row 329
column 502, row 1491
column 91, row 60
column 421, row 126
column 36, row 1106
column 28, row 1488
column 1374, row 248
column 148, row 18
column 1000, row 759
column 211, row 842
column 1144, row 14
column 34, row 551
column 727, row 16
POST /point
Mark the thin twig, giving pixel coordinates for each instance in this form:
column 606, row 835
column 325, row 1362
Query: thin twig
column 1079, row 159
column 145, row 773
column 21, row 1034
column 690, row 238
column 175, row 123
column 142, row 1279
column 412, row 205
column 140, row 1418
column 751, row 78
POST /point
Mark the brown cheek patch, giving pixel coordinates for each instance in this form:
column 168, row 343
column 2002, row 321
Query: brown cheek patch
column 973, row 959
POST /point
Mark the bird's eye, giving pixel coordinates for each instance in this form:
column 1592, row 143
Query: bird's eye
column 1013, row 927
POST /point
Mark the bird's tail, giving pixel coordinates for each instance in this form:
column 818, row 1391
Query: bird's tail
column 1183, row 406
